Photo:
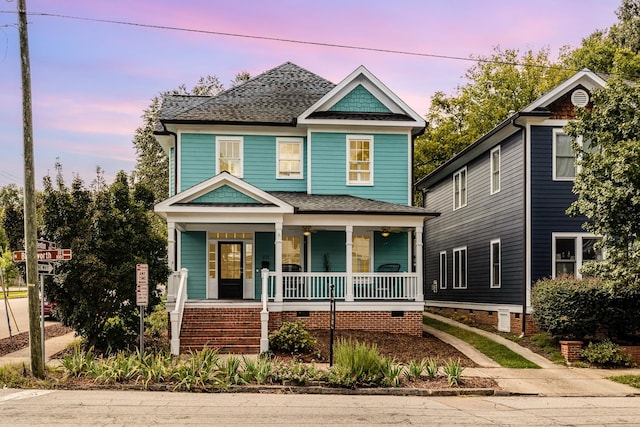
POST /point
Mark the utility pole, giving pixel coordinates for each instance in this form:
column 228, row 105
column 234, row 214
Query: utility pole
column 30, row 232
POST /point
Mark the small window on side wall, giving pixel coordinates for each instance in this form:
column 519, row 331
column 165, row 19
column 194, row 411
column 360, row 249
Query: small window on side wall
column 495, row 170
column 443, row 270
column 496, row 264
column 460, row 268
column 460, row 189
column 289, row 158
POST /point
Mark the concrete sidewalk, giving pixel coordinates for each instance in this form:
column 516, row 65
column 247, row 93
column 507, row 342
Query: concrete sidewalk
column 551, row 380
column 51, row 347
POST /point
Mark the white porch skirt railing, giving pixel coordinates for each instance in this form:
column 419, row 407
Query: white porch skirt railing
column 177, row 294
column 366, row 286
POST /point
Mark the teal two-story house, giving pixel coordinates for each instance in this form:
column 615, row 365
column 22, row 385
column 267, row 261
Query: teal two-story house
column 287, row 190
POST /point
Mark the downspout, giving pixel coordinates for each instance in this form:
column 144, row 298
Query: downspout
column 175, row 180
column 524, row 207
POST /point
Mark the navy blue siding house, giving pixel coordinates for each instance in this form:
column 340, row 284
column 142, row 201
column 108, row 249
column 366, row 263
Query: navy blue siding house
column 503, row 222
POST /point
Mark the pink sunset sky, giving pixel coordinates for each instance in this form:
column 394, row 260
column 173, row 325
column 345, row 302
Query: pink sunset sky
column 91, row 81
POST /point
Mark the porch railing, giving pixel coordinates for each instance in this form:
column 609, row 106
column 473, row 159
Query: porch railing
column 177, row 295
column 366, row 286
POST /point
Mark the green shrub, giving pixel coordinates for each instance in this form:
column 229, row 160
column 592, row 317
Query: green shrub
column 453, row 370
column 567, row 307
column 359, row 361
column 293, row 338
column 606, row 354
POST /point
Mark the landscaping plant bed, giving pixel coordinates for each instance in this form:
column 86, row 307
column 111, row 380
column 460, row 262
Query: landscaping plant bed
column 21, row 340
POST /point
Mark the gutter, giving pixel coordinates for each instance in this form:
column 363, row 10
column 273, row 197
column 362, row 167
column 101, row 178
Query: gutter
column 524, row 204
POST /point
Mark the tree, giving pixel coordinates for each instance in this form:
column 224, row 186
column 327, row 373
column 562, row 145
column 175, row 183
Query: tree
column 614, row 51
column 152, row 166
column 497, row 86
column 12, row 217
column 109, row 231
column 608, row 181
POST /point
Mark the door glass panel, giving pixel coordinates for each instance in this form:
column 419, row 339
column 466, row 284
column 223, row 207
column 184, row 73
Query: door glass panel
column 212, row 260
column 230, row 261
column 248, row 260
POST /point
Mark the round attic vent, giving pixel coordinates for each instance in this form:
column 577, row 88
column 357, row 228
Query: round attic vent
column 580, row 98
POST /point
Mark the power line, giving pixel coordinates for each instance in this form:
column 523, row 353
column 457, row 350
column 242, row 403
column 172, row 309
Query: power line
column 303, row 42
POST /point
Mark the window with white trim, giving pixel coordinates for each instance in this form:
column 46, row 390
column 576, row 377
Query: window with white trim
column 443, row 270
column 571, row 251
column 361, row 253
column 496, row 264
column 564, row 157
column 289, row 155
column 460, row 188
column 460, row 268
column 495, row 170
column 359, row 160
column 229, row 150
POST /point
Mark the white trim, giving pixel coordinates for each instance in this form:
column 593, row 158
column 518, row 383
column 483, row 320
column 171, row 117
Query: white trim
column 442, row 269
column 410, row 149
column 491, row 262
column 173, row 204
column 584, row 77
column 370, row 82
column 466, row 188
column 527, row 225
column 578, row 241
column 290, row 140
column 370, row 139
column 309, row 165
column 347, row 306
column 492, row 171
column 475, row 306
column 460, row 249
column 556, row 132
column 233, row 139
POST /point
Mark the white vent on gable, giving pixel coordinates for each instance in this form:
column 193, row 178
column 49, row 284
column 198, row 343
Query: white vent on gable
column 580, row 98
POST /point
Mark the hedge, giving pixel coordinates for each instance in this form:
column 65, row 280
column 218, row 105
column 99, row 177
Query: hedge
column 573, row 308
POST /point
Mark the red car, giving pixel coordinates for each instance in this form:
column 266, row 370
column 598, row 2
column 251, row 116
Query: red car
column 49, row 309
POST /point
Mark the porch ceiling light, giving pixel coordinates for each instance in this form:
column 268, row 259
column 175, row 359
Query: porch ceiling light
column 385, row 232
column 307, row 230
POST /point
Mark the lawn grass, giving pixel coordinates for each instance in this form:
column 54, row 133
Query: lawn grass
column 497, row 352
column 632, row 380
column 14, row 294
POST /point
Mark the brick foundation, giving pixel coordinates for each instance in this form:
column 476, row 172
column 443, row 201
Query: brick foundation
column 379, row 321
column 489, row 318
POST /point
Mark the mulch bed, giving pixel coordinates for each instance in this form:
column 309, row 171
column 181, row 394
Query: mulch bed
column 21, row 340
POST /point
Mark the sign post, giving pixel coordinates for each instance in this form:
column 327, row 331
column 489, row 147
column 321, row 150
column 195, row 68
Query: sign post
column 142, row 297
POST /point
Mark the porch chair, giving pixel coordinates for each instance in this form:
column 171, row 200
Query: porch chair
column 389, row 268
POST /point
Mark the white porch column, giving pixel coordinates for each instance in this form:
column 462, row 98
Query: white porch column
column 349, row 251
column 264, row 314
column 278, row 243
column 171, row 245
column 419, row 257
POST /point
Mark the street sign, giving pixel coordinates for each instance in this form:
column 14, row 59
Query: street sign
column 142, row 285
column 48, row 255
column 45, row 268
column 46, row 245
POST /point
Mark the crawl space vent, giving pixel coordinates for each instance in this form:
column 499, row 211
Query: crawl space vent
column 580, row 98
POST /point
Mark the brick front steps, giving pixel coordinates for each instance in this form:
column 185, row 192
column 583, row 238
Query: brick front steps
column 229, row 330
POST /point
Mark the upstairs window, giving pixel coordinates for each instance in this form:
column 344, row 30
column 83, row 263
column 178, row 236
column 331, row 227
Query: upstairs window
column 359, row 160
column 495, row 170
column 564, row 158
column 289, row 158
column 460, row 189
column 229, row 155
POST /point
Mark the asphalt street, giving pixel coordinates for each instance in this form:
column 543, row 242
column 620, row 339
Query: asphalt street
column 106, row 407
column 18, row 316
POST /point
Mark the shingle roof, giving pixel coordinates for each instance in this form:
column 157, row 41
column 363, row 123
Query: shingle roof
column 324, row 203
column 277, row 96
